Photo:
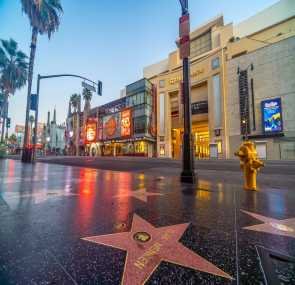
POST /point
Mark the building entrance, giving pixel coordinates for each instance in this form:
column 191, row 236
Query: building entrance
column 200, row 131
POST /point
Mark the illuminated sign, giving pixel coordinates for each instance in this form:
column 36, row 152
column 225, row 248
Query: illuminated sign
column 126, row 123
column 272, row 115
column 91, row 131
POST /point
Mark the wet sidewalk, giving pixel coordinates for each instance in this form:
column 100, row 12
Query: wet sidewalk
column 73, row 225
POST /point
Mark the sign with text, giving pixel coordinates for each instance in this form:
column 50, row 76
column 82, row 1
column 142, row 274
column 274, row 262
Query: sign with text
column 200, row 107
column 272, row 115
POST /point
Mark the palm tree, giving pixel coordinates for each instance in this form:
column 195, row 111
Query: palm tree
column 13, row 73
column 44, row 16
column 75, row 100
column 87, row 96
column 76, row 103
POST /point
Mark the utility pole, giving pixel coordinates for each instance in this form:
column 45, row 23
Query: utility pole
column 188, row 171
column 78, row 127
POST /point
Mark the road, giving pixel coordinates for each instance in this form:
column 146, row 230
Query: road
column 148, row 164
column 63, row 224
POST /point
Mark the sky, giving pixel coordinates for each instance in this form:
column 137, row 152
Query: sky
column 105, row 40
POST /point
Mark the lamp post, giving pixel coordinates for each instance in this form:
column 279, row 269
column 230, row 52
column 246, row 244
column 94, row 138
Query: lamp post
column 188, row 172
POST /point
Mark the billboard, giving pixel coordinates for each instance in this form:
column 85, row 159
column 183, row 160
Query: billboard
column 271, row 110
column 126, row 123
column 111, row 126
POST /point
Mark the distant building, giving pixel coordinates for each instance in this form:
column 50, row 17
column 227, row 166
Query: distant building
column 54, row 135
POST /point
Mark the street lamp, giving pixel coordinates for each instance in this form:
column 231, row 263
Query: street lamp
column 188, row 171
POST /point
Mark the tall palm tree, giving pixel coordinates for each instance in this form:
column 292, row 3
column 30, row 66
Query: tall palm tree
column 75, row 100
column 76, row 103
column 44, row 16
column 87, row 96
column 13, row 73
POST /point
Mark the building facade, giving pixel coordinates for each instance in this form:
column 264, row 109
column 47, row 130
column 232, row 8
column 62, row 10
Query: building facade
column 231, row 65
column 124, row 127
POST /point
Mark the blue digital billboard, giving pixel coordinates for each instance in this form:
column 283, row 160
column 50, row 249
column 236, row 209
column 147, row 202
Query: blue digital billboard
column 272, row 121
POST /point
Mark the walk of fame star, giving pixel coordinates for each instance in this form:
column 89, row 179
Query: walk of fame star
column 147, row 246
column 140, row 194
column 273, row 226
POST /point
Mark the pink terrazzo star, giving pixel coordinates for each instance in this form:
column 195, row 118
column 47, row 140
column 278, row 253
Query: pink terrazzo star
column 273, row 226
column 140, row 194
column 147, row 246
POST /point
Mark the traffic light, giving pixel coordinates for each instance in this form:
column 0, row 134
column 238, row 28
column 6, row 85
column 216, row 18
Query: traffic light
column 99, row 88
column 8, row 121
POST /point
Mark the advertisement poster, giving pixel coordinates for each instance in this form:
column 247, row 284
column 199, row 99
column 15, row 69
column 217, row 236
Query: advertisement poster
column 91, row 131
column 126, row 123
column 272, row 115
column 111, row 126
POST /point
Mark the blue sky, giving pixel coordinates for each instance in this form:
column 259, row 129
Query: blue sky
column 107, row 40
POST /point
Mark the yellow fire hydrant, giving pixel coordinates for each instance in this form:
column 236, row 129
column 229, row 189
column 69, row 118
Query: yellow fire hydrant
column 249, row 163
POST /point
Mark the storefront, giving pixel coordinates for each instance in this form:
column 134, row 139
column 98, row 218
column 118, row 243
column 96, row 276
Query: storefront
column 125, row 127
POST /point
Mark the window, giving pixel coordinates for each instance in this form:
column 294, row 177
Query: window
column 201, row 44
column 217, row 101
column 162, row 83
column 162, row 150
column 140, row 125
column 162, row 113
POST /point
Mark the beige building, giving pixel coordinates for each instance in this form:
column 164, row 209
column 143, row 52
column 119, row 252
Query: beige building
column 221, row 55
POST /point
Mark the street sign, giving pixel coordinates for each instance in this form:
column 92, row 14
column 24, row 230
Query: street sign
column 184, row 34
column 184, row 47
column 184, row 26
column 88, row 86
column 33, row 105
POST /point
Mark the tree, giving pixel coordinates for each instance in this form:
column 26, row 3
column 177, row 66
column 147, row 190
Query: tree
column 13, row 73
column 75, row 101
column 44, row 16
column 87, row 94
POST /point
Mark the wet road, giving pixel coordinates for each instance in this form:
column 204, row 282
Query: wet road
column 73, row 225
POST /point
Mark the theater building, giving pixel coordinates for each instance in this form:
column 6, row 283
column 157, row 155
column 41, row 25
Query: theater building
column 207, row 94
column 124, row 127
column 224, row 59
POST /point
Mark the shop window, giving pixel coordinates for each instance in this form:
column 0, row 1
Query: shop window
column 219, row 147
column 162, row 150
column 141, row 147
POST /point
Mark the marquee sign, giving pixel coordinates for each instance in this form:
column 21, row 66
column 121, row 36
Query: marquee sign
column 272, row 115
